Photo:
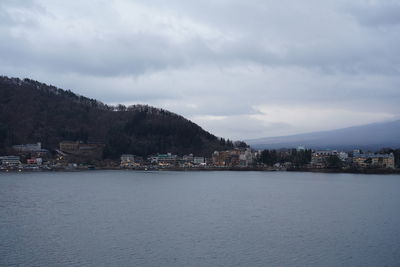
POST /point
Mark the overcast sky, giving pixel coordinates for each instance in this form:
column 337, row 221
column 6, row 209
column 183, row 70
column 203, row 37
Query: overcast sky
column 240, row 69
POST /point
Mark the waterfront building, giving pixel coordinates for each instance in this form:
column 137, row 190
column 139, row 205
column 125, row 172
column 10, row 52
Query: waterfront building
column 34, row 161
column 198, row 160
column 370, row 160
column 319, row 158
column 165, row 159
column 229, row 158
column 188, row 158
column 246, row 158
column 127, row 161
column 10, row 161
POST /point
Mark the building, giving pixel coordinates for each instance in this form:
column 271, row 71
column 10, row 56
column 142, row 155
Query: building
column 10, row 161
column 34, row 161
column 79, row 147
column 300, row 148
column 28, row 147
column 371, row 160
column 165, row 159
column 69, row 146
column 128, row 161
column 199, row 160
column 343, row 156
column 229, row 158
column 79, row 151
column 246, row 158
column 319, row 158
column 31, row 149
column 188, row 158
column 219, row 158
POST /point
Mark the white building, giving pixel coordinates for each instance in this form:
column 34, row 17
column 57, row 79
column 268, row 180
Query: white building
column 28, row 147
column 199, row 160
column 8, row 161
column 246, row 158
column 343, row 156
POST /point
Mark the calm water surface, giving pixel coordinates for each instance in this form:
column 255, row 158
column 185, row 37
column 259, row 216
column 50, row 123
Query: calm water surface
column 126, row 218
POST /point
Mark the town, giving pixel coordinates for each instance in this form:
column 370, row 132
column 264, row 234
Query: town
column 76, row 155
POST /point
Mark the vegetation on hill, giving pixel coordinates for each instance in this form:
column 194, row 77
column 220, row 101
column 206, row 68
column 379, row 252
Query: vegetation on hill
column 297, row 158
column 32, row 112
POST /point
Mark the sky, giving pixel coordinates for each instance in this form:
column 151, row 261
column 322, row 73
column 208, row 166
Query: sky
column 240, row 69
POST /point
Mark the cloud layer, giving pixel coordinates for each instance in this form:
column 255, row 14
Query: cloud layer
column 239, row 69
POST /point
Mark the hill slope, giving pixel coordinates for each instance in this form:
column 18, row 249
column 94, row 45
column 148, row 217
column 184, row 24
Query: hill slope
column 369, row 137
column 33, row 112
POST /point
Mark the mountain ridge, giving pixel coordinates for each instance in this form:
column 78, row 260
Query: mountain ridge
column 369, row 136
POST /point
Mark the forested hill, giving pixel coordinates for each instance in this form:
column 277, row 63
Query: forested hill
column 32, row 112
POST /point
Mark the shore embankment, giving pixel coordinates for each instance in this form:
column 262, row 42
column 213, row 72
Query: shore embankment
column 240, row 169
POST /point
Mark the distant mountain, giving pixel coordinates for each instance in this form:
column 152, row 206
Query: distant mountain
column 368, row 137
column 32, row 112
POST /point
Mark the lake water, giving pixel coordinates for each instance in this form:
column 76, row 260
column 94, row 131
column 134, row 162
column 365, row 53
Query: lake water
column 129, row 218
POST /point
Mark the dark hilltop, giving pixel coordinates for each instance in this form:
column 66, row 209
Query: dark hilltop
column 32, row 112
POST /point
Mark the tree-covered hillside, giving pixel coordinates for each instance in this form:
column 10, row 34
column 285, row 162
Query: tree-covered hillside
column 32, row 112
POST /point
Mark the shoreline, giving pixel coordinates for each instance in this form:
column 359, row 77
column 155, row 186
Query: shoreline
column 266, row 169
column 355, row 171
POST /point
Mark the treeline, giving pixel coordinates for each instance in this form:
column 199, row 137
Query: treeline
column 32, row 112
column 302, row 157
column 296, row 157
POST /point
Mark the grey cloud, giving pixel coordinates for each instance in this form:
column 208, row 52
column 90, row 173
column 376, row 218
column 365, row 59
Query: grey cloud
column 137, row 55
column 255, row 40
column 239, row 126
column 211, row 58
column 378, row 14
column 19, row 12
